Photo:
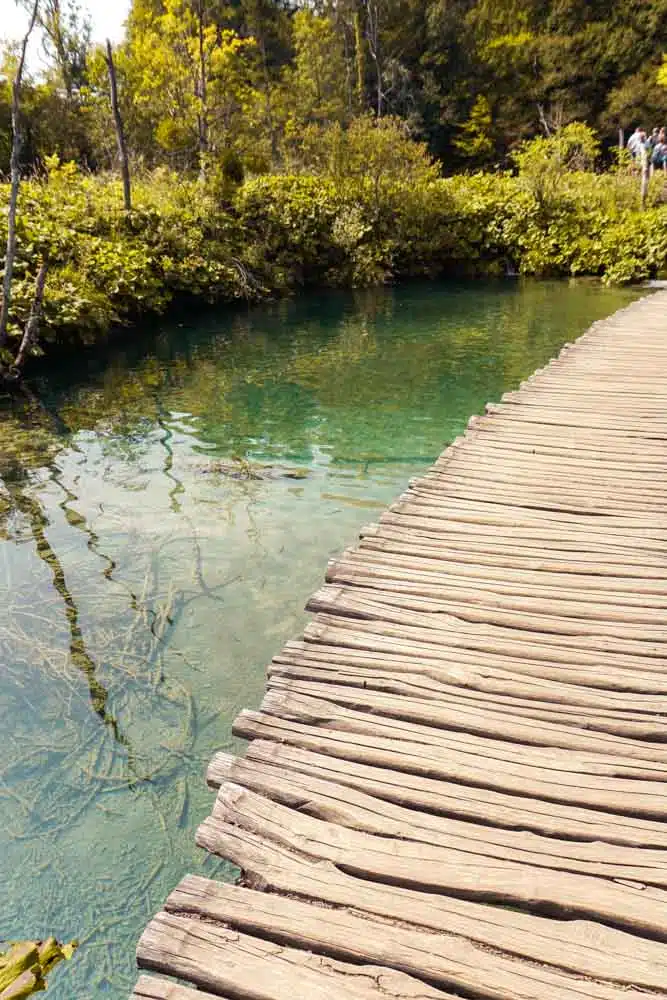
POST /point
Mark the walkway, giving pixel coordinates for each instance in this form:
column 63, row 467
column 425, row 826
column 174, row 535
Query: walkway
column 457, row 781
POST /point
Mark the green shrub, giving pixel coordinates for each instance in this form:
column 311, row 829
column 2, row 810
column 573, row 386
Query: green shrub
column 274, row 234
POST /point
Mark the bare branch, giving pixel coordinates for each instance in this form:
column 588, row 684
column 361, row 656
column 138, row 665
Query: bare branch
column 120, row 135
column 15, row 171
column 32, row 326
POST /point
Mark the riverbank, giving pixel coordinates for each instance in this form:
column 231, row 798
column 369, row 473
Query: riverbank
column 274, row 235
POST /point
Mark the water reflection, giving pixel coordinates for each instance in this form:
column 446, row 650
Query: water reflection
column 164, row 513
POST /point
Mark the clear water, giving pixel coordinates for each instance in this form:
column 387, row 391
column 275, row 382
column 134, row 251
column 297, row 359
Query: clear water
column 144, row 588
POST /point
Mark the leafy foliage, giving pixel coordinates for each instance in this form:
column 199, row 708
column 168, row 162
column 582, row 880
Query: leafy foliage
column 472, row 77
column 370, row 208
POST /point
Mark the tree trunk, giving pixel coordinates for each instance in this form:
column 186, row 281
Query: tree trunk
column 15, row 172
column 645, row 175
column 32, row 326
column 202, row 117
column 373, row 36
column 268, row 110
column 360, row 61
column 120, row 135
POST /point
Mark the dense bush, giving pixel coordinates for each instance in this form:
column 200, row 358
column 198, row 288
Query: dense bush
column 274, row 234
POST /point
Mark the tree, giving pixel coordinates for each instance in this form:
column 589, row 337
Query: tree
column 545, row 162
column 15, row 182
column 66, row 34
column 190, row 80
column 474, row 141
column 316, row 83
column 118, row 124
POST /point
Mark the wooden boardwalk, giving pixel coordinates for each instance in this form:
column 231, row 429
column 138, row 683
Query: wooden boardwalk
column 457, row 781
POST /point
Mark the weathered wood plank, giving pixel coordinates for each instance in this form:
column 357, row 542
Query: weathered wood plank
column 441, row 798
column 574, row 945
column 441, row 959
column 337, row 803
column 249, row 968
column 638, row 798
column 529, row 590
column 499, row 712
column 491, row 510
column 467, row 720
column 150, row 988
column 632, row 906
column 554, row 763
column 619, row 671
column 485, row 610
column 563, row 557
column 474, row 678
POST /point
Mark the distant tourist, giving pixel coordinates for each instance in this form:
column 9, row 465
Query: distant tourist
column 637, row 142
column 659, row 154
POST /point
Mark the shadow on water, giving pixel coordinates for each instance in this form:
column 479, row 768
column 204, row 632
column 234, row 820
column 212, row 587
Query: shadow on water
column 166, row 507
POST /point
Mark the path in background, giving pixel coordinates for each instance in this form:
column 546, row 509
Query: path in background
column 457, row 780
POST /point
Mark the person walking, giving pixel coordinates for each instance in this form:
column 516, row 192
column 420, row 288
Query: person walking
column 637, row 143
column 659, row 154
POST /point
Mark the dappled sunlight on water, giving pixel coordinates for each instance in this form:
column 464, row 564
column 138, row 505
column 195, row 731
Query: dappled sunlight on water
column 165, row 511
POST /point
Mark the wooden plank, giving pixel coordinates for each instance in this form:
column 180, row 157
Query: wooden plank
column 442, row 960
column 578, row 539
column 472, row 682
column 427, row 616
column 441, row 596
column 379, row 556
column 474, row 558
column 575, row 946
column 441, row 798
column 602, row 530
column 575, row 498
column 150, row 988
column 469, row 720
column 289, row 700
column 454, row 633
column 586, row 671
column 611, row 442
column 249, row 968
column 440, row 503
column 610, row 794
column 512, row 710
column 635, row 907
column 440, row 612
column 520, row 454
column 525, row 474
column 644, row 425
column 378, row 574
column 336, row 803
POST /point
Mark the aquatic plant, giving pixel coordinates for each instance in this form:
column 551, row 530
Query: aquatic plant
column 24, row 966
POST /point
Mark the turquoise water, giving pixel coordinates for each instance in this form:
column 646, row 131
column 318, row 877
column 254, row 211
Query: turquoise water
column 165, row 511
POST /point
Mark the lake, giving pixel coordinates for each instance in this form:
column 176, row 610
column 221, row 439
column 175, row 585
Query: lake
column 166, row 508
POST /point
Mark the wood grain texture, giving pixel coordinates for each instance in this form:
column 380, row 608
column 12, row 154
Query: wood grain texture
column 150, row 988
column 442, row 959
column 456, row 783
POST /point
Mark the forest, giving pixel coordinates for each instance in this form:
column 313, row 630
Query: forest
column 272, row 145
column 254, row 79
